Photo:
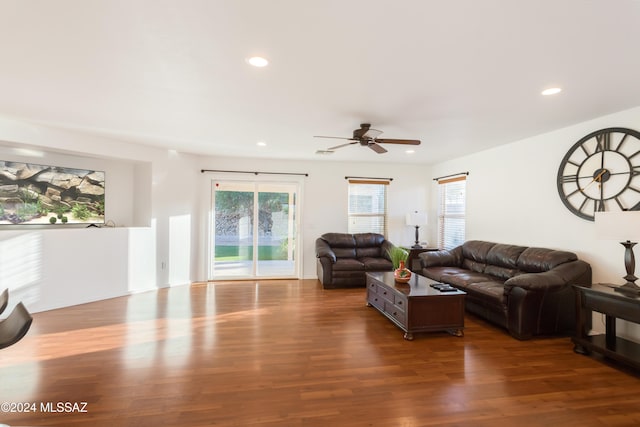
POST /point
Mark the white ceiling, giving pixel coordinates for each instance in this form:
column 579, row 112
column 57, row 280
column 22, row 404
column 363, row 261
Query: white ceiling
column 461, row 75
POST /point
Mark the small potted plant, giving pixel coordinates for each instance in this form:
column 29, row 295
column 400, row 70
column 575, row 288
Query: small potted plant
column 398, row 258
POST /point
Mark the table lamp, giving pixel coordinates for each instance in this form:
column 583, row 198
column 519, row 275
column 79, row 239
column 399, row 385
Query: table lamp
column 416, row 219
column 622, row 226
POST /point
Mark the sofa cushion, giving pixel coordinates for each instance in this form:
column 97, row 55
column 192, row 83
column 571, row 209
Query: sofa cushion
column 339, row 240
column 348, row 264
column 469, row 264
column 465, row 278
column 376, row 264
column 366, row 240
column 441, row 257
column 368, row 252
column 345, row 252
column 505, row 255
column 476, row 250
column 501, row 272
column 537, row 260
column 491, row 290
column 436, row 273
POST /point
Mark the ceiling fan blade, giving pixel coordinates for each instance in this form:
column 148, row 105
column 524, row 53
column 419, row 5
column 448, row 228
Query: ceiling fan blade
column 342, row 145
column 372, row 133
column 399, row 141
column 377, row 148
column 333, row 137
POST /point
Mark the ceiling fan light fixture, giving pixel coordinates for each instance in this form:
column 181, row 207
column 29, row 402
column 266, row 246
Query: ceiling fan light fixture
column 258, row 61
column 551, row 91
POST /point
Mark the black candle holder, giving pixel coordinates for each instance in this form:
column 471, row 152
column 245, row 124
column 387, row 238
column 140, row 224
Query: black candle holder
column 417, row 244
column 630, row 266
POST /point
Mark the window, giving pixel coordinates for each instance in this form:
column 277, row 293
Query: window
column 368, row 207
column 451, row 212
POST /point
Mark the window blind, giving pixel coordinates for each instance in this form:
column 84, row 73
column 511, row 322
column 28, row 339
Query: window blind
column 367, row 206
column 451, row 212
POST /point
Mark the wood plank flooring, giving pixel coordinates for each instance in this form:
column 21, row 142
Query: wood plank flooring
column 288, row 353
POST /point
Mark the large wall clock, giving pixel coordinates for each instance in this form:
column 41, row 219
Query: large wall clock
column 601, row 172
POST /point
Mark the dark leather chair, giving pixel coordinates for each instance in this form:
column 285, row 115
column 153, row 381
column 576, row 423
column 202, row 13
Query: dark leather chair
column 4, row 300
column 15, row 326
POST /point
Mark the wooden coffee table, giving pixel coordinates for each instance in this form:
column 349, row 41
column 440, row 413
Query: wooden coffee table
column 416, row 306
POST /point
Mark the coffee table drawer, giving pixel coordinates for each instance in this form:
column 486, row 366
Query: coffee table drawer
column 372, row 287
column 387, row 294
column 395, row 312
column 375, row 300
column 401, row 302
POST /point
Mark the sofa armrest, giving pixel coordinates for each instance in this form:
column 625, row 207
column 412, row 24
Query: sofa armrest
column 535, row 282
column 449, row 258
column 323, row 250
column 385, row 248
column 540, row 303
column 553, row 280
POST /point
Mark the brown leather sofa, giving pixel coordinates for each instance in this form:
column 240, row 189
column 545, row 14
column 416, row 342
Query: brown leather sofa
column 344, row 259
column 525, row 290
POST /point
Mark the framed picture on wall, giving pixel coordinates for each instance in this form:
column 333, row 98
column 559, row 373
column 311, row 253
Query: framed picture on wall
column 33, row 194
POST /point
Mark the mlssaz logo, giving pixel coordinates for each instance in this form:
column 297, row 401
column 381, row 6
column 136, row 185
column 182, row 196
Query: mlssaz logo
column 63, row 407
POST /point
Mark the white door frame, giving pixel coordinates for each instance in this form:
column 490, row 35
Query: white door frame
column 298, row 181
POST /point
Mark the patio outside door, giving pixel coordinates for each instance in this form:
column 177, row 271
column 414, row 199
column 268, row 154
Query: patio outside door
column 254, row 227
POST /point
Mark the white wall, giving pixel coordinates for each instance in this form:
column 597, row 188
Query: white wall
column 512, row 198
column 175, row 219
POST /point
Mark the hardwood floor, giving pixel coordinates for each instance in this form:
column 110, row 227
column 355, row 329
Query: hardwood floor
column 288, row 353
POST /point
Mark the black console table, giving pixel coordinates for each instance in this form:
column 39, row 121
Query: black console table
column 614, row 305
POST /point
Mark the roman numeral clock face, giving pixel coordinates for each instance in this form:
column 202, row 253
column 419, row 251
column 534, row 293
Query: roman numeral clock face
column 601, row 172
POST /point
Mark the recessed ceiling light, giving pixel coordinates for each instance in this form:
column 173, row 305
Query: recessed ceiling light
column 551, row 91
column 258, row 61
column 410, row 151
column 261, row 144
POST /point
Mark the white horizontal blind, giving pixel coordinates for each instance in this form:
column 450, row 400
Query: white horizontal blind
column 368, row 207
column 451, row 212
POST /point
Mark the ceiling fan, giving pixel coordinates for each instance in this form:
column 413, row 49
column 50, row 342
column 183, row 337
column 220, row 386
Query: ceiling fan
column 369, row 137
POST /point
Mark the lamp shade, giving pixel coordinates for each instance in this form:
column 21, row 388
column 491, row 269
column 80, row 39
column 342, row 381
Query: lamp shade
column 416, row 218
column 618, row 226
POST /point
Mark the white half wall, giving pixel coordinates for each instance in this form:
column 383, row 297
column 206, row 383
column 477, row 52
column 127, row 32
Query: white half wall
column 53, row 268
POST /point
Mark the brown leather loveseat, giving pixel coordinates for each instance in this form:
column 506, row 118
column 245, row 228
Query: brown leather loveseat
column 523, row 289
column 344, row 259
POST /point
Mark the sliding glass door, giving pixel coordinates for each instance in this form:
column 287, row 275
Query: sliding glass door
column 253, row 230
